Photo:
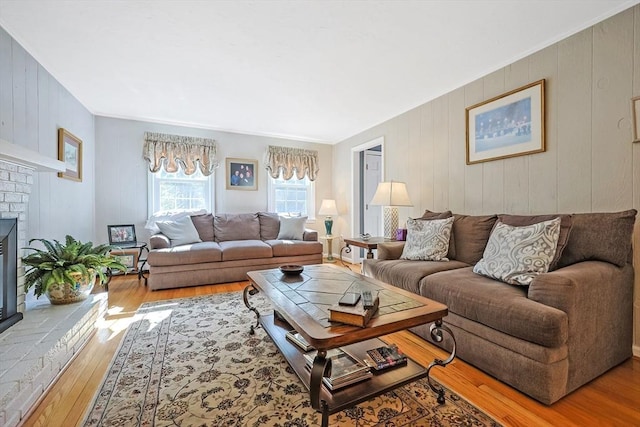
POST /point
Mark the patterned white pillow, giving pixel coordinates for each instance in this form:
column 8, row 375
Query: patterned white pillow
column 516, row 255
column 427, row 240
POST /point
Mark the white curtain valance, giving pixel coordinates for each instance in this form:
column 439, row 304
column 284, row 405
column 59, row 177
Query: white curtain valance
column 175, row 151
column 286, row 160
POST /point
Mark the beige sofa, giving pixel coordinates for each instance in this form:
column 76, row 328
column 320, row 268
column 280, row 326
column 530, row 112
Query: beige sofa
column 547, row 339
column 231, row 245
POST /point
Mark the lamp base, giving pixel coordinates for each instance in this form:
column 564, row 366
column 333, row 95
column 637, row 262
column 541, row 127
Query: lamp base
column 390, row 222
column 328, row 224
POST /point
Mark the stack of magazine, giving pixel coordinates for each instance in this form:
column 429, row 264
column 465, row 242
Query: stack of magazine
column 345, row 369
column 385, row 357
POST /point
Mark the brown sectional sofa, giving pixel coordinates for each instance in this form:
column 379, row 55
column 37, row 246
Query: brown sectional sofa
column 546, row 339
column 232, row 245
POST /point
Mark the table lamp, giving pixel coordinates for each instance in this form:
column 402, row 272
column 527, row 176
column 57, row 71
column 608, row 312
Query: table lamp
column 391, row 195
column 328, row 208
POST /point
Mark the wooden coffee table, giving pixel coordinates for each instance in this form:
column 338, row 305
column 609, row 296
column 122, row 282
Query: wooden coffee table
column 301, row 302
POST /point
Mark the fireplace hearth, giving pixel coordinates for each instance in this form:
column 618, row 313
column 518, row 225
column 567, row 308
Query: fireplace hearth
column 9, row 314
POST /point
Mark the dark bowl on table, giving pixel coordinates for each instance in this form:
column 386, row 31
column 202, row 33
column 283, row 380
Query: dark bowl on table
column 292, row 269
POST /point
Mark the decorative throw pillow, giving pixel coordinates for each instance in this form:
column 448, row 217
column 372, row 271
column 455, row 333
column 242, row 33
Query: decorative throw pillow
column 204, row 226
column 565, row 229
column 427, row 240
column 292, row 228
column 180, row 232
column 515, row 255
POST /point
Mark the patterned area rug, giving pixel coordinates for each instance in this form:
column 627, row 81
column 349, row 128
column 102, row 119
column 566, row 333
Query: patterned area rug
column 192, row 362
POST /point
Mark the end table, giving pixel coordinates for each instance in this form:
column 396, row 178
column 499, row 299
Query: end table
column 370, row 244
column 136, row 250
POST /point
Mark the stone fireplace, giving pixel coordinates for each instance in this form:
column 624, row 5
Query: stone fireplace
column 15, row 187
column 9, row 314
column 34, row 350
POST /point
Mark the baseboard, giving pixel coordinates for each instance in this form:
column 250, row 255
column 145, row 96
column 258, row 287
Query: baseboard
column 636, row 351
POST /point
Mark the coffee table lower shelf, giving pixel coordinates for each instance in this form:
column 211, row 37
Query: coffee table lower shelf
column 349, row 396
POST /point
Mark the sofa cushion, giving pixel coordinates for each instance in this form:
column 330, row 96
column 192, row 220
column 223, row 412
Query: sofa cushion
column 196, row 253
column 180, row 232
column 600, row 237
column 427, row 240
column 565, row 229
column 236, row 227
column 497, row 305
column 405, row 274
column 292, row 228
column 469, row 236
column 294, row 247
column 516, row 255
column 204, row 225
column 435, row 215
column 245, row 249
column 269, row 225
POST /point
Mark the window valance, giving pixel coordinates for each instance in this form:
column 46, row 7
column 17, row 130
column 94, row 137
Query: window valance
column 175, row 151
column 286, row 160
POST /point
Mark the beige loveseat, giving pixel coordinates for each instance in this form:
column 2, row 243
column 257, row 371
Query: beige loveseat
column 230, row 246
column 547, row 339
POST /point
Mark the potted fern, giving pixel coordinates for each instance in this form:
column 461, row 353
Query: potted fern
column 66, row 272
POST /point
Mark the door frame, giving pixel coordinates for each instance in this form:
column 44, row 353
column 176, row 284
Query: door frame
column 355, row 186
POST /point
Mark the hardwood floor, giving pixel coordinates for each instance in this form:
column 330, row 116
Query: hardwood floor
column 611, row 400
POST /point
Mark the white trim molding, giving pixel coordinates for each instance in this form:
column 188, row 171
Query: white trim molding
column 28, row 158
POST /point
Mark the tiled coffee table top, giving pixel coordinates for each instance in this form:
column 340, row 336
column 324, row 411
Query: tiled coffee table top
column 317, row 288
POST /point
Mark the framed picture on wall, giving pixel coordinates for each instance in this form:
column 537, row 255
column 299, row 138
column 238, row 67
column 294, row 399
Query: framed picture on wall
column 241, row 174
column 70, row 152
column 508, row 125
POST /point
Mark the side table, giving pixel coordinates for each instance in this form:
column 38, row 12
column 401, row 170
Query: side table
column 370, row 244
column 139, row 270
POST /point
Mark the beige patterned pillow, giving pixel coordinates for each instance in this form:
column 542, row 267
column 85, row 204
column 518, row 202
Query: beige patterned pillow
column 516, row 255
column 427, row 240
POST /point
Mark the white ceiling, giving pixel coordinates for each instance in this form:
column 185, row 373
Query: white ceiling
column 311, row 70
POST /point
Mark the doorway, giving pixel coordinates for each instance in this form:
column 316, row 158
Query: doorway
column 367, row 172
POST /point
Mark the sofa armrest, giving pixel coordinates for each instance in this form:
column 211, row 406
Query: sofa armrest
column 159, row 241
column 597, row 298
column 310, row 235
column 587, row 285
column 390, row 250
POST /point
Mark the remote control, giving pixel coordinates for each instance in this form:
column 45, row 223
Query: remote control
column 367, row 299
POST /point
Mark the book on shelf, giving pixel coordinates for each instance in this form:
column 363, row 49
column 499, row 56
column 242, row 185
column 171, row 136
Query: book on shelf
column 355, row 315
column 346, row 369
column 298, row 340
column 385, row 357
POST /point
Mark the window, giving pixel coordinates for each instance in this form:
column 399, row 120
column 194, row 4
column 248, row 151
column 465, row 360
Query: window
column 169, row 191
column 295, row 196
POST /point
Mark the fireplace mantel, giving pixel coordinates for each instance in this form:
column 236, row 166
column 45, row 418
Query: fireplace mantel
column 22, row 156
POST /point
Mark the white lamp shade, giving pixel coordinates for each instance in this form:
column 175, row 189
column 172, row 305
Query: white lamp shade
column 328, row 207
column 392, row 193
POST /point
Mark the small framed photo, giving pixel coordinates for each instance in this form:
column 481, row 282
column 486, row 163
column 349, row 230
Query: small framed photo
column 70, row 152
column 128, row 257
column 122, row 235
column 635, row 113
column 508, row 125
column 241, row 174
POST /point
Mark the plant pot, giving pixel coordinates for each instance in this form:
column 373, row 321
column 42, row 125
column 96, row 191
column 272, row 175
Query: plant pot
column 64, row 293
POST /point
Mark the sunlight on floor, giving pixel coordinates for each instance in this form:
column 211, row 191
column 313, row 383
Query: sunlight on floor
column 117, row 320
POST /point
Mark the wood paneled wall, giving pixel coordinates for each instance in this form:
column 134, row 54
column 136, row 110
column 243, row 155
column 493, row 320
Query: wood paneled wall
column 590, row 164
column 33, row 105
